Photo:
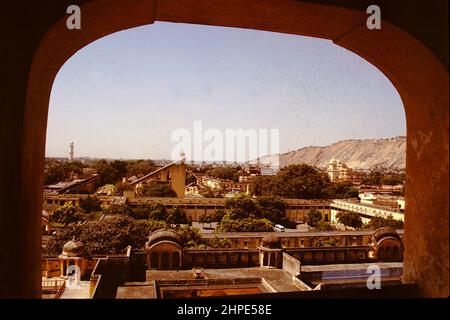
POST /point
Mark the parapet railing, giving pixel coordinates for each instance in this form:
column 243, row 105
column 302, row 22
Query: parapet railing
column 93, row 284
column 207, row 282
column 58, row 285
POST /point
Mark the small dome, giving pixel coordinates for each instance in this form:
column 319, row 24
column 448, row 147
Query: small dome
column 271, row 242
column 73, row 248
column 164, row 234
column 384, row 232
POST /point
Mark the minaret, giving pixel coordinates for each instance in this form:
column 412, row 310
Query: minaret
column 71, row 152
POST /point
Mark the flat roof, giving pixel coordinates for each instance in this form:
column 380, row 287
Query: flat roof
column 350, row 266
column 278, row 279
column 290, row 234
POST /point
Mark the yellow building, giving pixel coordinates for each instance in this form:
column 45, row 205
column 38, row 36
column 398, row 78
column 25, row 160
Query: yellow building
column 174, row 174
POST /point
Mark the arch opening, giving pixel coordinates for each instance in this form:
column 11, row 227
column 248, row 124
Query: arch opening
column 427, row 127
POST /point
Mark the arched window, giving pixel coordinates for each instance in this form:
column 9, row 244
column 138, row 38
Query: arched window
column 175, row 260
column 154, row 260
column 165, row 262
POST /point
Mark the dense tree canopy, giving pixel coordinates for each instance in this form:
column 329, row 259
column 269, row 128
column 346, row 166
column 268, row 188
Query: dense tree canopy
column 249, row 224
column 66, row 214
column 190, row 178
column 110, row 235
column 314, row 217
column 228, row 173
column 208, row 192
column 56, row 171
column 241, row 211
column 90, row 204
column 113, row 172
column 378, row 222
column 140, row 167
column 349, row 219
column 295, row 181
column 302, row 182
column 341, row 190
column 378, row 176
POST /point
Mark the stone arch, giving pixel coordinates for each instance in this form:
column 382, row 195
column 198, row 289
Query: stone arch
column 419, row 76
column 165, row 260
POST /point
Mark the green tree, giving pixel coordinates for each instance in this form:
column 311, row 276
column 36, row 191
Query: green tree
column 53, row 173
column 156, row 190
column 107, row 173
column 109, row 236
column 220, row 243
column 158, row 212
column 90, row 204
column 218, row 215
column 177, row 216
column 298, row 181
column 244, row 225
column 242, row 206
column 56, row 242
column 341, row 190
column 190, row 178
column 120, row 187
column 191, row 237
column 273, row 208
column 327, row 243
column 66, row 214
column 140, row 230
column 314, row 217
column 378, row 222
column 227, row 173
column 323, row 226
column 208, row 192
column 73, row 167
column 56, row 171
column 391, row 180
column 140, row 167
column 206, row 218
column 118, row 209
column 141, row 212
column 349, row 219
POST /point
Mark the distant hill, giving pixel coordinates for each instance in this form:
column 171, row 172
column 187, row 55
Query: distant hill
column 357, row 154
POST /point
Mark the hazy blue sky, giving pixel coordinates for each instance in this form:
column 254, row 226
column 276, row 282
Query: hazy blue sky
column 123, row 95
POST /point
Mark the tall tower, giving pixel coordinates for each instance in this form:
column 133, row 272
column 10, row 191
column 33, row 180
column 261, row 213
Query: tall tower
column 71, row 151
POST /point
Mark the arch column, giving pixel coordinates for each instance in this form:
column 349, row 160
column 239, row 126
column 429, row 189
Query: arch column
column 422, row 82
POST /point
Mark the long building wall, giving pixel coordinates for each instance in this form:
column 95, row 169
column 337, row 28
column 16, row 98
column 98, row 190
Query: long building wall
column 249, row 240
column 297, row 209
column 366, row 211
column 245, row 258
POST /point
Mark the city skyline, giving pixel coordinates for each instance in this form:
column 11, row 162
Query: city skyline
column 123, row 95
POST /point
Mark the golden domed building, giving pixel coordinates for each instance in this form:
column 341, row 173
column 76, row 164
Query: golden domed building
column 386, row 245
column 73, row 253
column 270, row 252
column 163, row 250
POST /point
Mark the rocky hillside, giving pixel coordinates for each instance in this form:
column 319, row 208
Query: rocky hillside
column 357, row 154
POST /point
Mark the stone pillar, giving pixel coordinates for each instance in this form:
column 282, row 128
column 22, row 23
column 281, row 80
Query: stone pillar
column 61, row 268
column 159, row 259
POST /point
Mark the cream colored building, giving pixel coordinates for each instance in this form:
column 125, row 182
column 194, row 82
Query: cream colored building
column 338, row 171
